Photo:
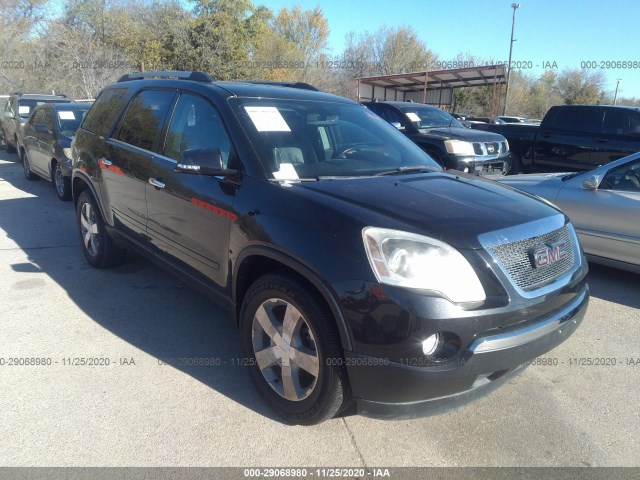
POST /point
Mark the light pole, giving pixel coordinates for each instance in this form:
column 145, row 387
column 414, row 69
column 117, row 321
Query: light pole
column 615, row 95
column 515, row 6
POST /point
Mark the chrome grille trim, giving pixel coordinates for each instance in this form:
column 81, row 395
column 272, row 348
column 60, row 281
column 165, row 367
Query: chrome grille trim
column 509, row 249
column 483, row 148
column 516, row 260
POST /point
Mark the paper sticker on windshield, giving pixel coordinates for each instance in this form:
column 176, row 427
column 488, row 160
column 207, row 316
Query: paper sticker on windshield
column 287, row 172
column 413, row 117
column 66, row 115
column 267, row 119
column 24, row 109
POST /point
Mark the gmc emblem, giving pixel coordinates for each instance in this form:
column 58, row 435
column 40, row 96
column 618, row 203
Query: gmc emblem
column 548, row 254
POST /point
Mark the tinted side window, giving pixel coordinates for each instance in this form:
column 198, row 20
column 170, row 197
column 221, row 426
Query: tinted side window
column 144, row 118
column 105, row 110
column 196, row 125
column 578, row 119
column 47, row 118
column 625, row 178
column 36, row 118
column 618, row 121
column 392, row 116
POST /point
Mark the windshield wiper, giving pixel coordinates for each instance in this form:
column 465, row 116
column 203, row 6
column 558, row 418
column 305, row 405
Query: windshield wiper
column 402, row 170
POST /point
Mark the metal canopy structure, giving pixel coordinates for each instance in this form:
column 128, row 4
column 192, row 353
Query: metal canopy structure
column 430, row 87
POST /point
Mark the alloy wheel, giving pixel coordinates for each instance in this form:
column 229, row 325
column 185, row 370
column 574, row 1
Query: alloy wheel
column 89, row 230
column 285, row 349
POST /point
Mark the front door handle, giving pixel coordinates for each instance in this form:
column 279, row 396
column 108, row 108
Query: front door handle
column 156, row 183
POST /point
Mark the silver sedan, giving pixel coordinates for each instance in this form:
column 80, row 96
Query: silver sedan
column 603, row 204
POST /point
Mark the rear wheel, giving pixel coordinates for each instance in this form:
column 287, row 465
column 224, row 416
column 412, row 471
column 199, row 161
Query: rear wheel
column 292, row 349
column 61, row 183
column 28, row 174
column 98, row 248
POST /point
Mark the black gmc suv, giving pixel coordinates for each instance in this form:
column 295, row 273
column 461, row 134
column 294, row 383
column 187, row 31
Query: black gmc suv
column 357, row 270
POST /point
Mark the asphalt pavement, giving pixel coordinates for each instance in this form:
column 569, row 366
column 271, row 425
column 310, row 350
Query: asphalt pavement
column 128, row 408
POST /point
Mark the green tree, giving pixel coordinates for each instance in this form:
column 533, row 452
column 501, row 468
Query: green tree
column 579, row 87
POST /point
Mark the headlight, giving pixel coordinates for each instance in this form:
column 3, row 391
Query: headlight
column 414, row 261
column 67, row 153
column 506, row 144
column 458, row 147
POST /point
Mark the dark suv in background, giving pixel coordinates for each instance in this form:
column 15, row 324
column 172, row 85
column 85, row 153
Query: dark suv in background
column 17, row 111
column 445, row 139
column 46, row 144
column 357, row 270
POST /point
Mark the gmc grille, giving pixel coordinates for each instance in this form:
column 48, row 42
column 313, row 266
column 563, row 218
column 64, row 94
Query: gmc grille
column 516, row 258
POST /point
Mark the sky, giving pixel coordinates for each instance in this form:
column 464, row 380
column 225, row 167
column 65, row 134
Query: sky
column 573, row 34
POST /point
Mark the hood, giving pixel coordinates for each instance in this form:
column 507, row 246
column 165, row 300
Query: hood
column 462, row 133
column 545, row 185
column 452, row 208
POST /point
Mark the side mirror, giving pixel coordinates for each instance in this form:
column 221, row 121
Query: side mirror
column 203, row 161
column 397, row 125
column 591, row 183
column 42, row 128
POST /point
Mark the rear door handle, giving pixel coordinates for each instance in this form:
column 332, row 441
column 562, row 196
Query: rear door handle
column 602, row 140
column 156, row 183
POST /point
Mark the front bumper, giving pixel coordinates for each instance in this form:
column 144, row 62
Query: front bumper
column 481, row 165
column 404, row 390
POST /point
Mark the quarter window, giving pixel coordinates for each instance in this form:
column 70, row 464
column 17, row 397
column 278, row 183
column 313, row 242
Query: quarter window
column 104, row 111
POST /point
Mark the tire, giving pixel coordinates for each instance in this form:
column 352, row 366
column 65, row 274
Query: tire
column 98, row 248
column 61, row 184
column 28, row 174
column 318, row 390
column 8, row 147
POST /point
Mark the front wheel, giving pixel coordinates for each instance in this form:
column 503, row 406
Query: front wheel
column 61, row 183
column 98, row 248
column 292, row 349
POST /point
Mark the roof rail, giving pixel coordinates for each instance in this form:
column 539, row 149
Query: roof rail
column 301, row 85
column 194, row 76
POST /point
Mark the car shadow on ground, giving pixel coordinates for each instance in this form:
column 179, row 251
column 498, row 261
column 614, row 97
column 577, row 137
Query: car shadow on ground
column 140, row 303
column 614, row 285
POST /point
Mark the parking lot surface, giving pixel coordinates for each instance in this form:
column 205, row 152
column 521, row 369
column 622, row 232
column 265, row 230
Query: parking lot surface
column 577, row 407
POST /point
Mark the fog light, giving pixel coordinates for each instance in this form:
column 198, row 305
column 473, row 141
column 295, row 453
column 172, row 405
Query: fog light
column 430, row 345
column 466, row 170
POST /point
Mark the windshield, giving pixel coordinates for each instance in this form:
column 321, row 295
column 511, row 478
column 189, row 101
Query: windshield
column 26, row 105
column 318, row 140
column 69, row 120
column 429, row 117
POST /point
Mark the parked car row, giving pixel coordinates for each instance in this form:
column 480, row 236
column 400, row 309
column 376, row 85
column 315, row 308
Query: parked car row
column 16, row 112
